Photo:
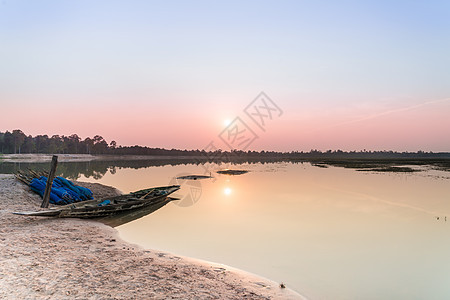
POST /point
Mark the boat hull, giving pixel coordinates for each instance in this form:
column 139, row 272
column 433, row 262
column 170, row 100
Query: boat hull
column 116, row 205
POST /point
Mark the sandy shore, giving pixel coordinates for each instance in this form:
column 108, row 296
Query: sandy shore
column 43, row 258
column 46, row 157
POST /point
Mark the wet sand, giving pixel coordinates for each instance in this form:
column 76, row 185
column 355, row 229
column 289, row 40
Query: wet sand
column 47, row 258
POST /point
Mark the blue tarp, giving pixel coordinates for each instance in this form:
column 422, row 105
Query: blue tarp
column 63, row 190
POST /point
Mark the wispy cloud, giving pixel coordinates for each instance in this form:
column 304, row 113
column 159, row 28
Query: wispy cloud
column 392, row 111
column 383, row 113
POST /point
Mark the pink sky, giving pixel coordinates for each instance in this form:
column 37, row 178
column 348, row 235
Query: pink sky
column 403, row 128
column 158, row 74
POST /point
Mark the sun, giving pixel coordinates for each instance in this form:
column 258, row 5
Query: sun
column 227, row 191
column 227, row 122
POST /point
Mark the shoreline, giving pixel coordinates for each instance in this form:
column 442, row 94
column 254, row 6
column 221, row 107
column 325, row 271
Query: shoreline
column 395, row 165
column 49, row 258
column 43, row 158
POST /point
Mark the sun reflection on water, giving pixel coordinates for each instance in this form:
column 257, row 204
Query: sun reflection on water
column 227, row 191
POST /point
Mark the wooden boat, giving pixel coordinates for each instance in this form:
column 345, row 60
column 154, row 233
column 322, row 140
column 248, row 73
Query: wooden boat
column 108, row 206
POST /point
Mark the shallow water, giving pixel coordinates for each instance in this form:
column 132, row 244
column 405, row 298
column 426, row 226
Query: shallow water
column 328, row 233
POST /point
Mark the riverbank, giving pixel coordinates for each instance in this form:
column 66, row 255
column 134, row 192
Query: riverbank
column 77, row 259
column 37, row 158
column 392, row 165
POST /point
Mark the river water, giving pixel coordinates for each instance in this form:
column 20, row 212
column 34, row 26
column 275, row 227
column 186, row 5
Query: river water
column 327, row 233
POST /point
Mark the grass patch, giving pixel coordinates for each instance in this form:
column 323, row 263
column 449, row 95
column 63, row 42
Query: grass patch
column 390, row 169
column 385, row 165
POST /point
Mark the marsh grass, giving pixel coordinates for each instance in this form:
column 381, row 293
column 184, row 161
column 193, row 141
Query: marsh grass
column 386, row 165
column 390, row 169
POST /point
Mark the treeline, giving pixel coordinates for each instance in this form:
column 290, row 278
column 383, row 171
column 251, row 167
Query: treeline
column 17, row 142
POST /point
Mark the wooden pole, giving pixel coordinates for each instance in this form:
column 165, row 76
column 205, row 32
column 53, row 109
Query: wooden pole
column 50, row 178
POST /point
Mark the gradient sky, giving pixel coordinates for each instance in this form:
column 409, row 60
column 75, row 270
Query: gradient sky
column 347, row 75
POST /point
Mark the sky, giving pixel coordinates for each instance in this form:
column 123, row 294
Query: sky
column 348, row 75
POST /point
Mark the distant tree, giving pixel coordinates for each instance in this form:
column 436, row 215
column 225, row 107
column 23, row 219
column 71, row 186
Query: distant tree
column 8, row 142
column 2, row 137
column 19, row 138
column 29, row 145
column 100, row 145
column 88, row 143
column 73, row 144
column 56, row 144
column 42, row 143
column 112, row 147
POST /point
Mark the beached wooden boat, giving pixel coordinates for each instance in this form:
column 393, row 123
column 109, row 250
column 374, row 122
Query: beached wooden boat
column 108, row 206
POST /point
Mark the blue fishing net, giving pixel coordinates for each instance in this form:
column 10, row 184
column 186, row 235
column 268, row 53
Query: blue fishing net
column 63, row 191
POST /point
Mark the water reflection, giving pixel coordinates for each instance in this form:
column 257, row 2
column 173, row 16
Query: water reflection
column 99, row 168
column 227, row 191
column 69, row 170
column 125, row 217
column 190, row 191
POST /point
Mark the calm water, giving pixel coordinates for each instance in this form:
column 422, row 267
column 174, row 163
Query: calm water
column 328, row 233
